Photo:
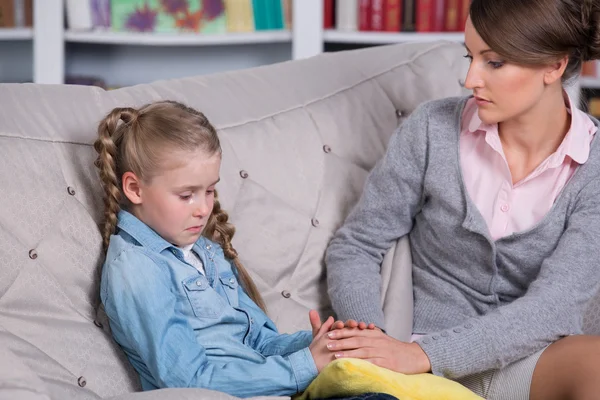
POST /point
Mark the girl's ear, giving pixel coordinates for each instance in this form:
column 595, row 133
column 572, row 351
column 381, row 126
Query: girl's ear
column 132, row 187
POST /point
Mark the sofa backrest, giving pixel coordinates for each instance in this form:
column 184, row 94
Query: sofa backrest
column 298, row 140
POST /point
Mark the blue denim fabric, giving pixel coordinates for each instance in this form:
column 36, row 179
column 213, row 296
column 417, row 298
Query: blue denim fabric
column 180, row 328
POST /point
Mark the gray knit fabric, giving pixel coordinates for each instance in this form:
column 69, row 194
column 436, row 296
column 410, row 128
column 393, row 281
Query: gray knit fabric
column 481, row 303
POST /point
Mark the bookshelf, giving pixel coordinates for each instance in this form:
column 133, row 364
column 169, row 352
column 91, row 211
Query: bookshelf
column 50, row 52
column 181, row 39
column 15, row 34
column 381, row 38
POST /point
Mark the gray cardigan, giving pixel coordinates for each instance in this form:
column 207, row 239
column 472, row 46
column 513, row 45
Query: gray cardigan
column 482, row 304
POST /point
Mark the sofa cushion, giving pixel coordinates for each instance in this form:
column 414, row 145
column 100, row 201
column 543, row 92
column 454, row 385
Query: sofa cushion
column 298, row 140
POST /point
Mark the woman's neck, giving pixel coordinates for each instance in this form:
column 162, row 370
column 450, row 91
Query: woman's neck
column 531, row 138
column 540, row 131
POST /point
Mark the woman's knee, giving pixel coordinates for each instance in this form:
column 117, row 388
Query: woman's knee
column 568, row 369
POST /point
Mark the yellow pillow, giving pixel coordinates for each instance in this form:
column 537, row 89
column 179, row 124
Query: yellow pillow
column 350, row 377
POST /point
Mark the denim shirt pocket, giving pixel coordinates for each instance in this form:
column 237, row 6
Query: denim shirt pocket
column 230, row 286
column 205, row 301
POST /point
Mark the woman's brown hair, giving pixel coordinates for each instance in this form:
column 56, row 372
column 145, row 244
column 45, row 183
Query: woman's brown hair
column 135, row 140
column 540, row 32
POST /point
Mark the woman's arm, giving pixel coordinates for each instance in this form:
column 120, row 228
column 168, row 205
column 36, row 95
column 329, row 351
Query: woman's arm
column 551, row 309
column 392, row 196
column 164, row 349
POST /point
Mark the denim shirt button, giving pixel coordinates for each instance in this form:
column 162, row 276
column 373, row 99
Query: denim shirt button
column 199, row 282
column 208, row 247
column 232, row 281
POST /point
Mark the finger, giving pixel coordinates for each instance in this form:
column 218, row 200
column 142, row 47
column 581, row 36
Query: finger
column 315, row 321
column 326, row 326
column 348, row 344
column 362, row 325
column 337, row 325
column 348, row 332
column 362, row 353
column 371, row 326
column 351, row 323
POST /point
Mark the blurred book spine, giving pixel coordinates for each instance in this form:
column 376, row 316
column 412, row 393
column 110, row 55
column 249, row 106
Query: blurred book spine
column 16, row 13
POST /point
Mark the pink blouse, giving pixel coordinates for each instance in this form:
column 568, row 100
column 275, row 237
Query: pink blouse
column 509, row 208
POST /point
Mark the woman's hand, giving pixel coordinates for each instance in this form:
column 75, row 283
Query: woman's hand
column 380, row 349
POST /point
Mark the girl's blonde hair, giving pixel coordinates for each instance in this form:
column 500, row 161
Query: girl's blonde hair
column 135, row 140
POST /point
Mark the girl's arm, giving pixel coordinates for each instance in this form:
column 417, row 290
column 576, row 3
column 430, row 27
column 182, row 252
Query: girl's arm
column 162, row 345
column 392, row 196
column 270, row 342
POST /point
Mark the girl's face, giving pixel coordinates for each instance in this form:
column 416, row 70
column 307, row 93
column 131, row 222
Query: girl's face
column 503, row 91
column 177, row 203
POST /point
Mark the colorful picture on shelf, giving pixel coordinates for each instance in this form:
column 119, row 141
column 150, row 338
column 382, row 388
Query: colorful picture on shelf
column 168, row 16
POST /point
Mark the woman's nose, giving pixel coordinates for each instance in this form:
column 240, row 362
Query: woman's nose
column 473, row 79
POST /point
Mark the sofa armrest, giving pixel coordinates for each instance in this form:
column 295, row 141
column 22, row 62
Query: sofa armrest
column 396, row 291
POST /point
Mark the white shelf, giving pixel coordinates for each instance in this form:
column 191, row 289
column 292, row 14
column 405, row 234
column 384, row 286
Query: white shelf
column 335, row 36
column 589, row 82
column 16, row 34
column 177, row 39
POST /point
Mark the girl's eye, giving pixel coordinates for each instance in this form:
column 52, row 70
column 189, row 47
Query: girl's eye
column 467, row 56
column 185, row 197
column 210, row 192
column 496, row 64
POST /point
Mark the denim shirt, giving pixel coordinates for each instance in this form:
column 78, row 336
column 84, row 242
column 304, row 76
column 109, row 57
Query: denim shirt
column 180, row 328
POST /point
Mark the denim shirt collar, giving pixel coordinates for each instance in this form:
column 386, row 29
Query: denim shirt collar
column 148, row 238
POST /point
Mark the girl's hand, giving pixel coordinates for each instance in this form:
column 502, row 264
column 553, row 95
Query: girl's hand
column 353, row 324
column 315, row 322
column 318, row 348
column 380, row 349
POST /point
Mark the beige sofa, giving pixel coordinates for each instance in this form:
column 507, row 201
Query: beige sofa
column 298, row 141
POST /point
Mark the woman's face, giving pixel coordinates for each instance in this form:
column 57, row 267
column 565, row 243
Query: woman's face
column 503, row 91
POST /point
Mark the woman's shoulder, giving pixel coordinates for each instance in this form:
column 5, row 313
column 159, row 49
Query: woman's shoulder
column 449, row 105
column 443, row 111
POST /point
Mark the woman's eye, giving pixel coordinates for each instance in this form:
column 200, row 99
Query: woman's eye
column 496, row 64
column 470, row 58
column 185, row 196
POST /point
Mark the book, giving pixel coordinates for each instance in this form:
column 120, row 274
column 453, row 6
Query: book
column 392, row 13
column 239, row 15
column 328, row 16
column 7, row 14
column 169, row 16
column 408, row 23
column 346, row 16
column 79, row 14
column 23, row 13
column 364, row 15
column 100, row 13
column 452, row 16
column 377, row 15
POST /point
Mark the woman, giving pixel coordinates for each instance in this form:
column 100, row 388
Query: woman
column 500, row 196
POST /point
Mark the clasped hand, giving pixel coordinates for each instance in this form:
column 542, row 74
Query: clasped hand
column 352, row 339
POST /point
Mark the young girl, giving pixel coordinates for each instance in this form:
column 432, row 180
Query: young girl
column 180, row 304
